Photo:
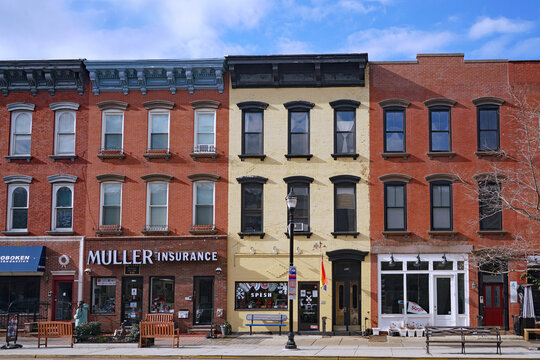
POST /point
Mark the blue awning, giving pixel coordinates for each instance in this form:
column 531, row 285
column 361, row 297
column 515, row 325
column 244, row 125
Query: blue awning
column 16, row 259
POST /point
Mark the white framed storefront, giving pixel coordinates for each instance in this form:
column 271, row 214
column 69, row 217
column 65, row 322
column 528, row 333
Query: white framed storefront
column 422, row 289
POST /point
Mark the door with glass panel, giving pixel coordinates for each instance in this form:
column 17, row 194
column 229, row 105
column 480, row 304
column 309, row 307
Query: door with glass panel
column 308, row 306
column 347, row 296
column 444, row 304
column 203, row 304
column 132, row 291
column 493, row 304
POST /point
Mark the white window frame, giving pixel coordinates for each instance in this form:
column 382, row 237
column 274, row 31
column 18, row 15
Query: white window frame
column 56, row 187
column 148, row 194
column 57, row 131
column 102, row 198
column 213, row 202
column 154, row 112
column 14, row 115
column 200, row 112
column 11, row 189
column 104, row 125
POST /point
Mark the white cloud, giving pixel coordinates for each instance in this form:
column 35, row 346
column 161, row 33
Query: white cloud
column 128, row 29
column 356, row 6
column 288, row 46
column 395, row 42
column 505, row 47
column 487, row 26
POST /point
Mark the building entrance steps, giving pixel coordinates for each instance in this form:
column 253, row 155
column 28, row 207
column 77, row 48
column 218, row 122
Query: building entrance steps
column 270, row 346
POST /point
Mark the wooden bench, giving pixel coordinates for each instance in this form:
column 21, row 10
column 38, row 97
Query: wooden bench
column 159, row 317
column 462, row 335
column 527, row 331
column 54, row 329
column 149, row 329
column 267, row 319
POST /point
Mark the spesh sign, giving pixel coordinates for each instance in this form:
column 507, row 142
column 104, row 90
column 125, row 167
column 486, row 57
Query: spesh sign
column 127, row 257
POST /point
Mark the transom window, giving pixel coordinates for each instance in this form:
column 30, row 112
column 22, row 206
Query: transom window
column 159, row 130
column 394, row 129
column 113, row 125
column 439, row 128
column 21, row 132
column 65, row 133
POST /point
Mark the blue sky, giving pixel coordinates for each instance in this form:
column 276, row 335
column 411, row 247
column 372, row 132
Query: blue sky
column 183, row 29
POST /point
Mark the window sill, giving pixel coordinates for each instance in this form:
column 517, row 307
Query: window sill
column 11, row 232
column 436, row 154
column 10, row 158
column 260, row 157
column 336, row 156
column 392, row 233
column 482, row 154
column 196, row 155
column 259, row 234
column 109, row 230
column 345, row 233
column 203, row 230
column 295, row 156
column 442, row 233
column 157, row 154
column 56, row 232
column 111, row 154
column 388, row 155
column 300, row 233
column 63, row 157
column 483, row 233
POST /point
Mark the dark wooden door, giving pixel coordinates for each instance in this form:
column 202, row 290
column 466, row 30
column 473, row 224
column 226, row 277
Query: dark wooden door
column 493, row 304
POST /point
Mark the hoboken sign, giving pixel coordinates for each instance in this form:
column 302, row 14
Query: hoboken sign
column 136, row 257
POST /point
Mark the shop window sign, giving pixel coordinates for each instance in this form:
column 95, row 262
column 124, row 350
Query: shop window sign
column 257, row 295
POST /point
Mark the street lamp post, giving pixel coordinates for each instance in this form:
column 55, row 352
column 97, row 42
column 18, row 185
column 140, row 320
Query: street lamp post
column 291, row 205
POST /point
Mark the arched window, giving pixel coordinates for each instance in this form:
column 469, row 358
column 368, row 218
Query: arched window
column 18, row 207
column 63, row 207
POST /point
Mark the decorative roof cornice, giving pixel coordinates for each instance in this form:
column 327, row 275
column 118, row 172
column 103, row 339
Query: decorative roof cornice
column 144, row 75
column 42, row 75
column 297, row 70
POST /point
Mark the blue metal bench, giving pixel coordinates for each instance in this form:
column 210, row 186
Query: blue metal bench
column 266, row 318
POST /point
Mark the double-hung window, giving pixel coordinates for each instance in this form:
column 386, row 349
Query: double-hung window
column 252, row 129
column 110, row 202
column 441, row 206
column 298, row 128
column 21, row 133
column 394, row 130
column 395, row 206
column 252, row 205
column 157, row 206
column 64, row 128
column 345, row 204
column 439, row 129
column 345, row 128
column 158, row 137
column 62, row 202
column 204, row 203
column 488, row 124
column 17, row 202
column 113, row 128
column 18, row 207
column 490, row 205
column 299, row 186
column 205, row 130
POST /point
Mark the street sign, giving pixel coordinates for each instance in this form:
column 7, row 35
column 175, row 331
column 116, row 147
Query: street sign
column 292, row 282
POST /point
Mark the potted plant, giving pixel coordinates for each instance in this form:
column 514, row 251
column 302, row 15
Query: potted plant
column 402, row 330
column 419, row 331
column 376, row 331
column 411, row 330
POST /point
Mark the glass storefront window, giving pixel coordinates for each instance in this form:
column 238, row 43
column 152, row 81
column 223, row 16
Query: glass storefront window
column 387, row 265
column 19, row 294
column 392, row 293
column 418, row 292
column 439, row 265
column 162, row 295
column 269, row 296
column 414, row 265
column 103, row 295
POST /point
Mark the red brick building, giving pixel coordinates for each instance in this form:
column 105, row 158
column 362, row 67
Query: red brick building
column 43, row 122
column 157, row 191
column 438, row 125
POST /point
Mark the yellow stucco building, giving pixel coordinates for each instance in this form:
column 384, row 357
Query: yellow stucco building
column 299, row 123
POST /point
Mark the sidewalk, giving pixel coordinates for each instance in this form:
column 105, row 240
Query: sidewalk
column 272, row 346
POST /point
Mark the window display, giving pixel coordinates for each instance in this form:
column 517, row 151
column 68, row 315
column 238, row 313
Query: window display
column 162, row 295
column 270, row 295
column 103, row 295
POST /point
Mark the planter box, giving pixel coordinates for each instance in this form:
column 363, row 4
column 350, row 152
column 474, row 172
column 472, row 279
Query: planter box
column 419, row 332
column 411, row 333
column 403, row 333
column 376, row 331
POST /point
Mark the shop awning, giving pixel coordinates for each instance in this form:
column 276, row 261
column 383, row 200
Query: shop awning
column 17, row 260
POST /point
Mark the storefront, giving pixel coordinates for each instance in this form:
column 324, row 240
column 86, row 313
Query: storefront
column 183, row 277
column 421, row 289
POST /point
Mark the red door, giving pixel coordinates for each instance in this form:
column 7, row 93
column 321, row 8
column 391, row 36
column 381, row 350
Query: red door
column 493, row 305
column 62, row 306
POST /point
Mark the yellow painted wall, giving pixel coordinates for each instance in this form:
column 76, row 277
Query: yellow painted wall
column 264, row 265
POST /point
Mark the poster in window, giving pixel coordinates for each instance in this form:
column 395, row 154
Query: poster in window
column 256, row 295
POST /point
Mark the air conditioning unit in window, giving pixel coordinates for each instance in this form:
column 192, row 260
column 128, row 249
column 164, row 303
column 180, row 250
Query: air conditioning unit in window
column 204, row 148
column 301, row 227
